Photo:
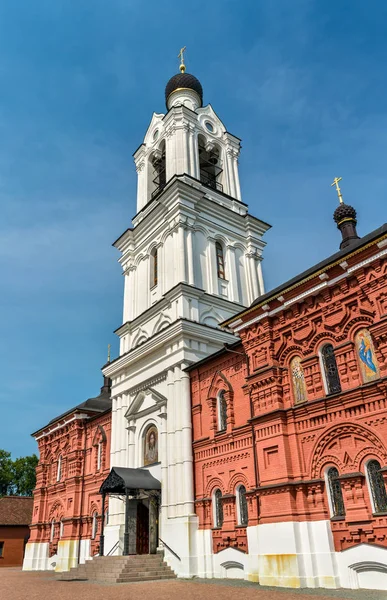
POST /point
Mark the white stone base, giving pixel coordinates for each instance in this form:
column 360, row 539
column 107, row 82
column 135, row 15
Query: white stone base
column 294, row 555
column 36, row 556
column 180, row 534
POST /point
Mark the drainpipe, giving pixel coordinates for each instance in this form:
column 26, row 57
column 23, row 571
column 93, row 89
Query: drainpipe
column 82, row 490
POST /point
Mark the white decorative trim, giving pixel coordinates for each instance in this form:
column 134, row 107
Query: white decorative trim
column 314, row 289
column 367, row 261
column 59, row 426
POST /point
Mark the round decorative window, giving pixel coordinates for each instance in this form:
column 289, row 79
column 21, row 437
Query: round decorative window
column 209, row 126
column 155, row 135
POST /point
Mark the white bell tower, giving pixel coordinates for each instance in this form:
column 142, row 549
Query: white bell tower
column 191, row 260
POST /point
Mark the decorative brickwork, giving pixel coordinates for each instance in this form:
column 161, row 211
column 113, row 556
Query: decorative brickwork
column 307, row 395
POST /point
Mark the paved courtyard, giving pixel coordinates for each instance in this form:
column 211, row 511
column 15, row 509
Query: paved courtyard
column 18, row 585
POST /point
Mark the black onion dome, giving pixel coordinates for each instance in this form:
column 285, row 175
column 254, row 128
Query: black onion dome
column 344, row 211
column 184, row 80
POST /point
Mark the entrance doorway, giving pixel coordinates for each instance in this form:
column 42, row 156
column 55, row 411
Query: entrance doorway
column 142, row 529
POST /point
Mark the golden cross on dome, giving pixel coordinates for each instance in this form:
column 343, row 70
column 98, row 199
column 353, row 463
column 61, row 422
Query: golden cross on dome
column 336, row 182
column 181, row 56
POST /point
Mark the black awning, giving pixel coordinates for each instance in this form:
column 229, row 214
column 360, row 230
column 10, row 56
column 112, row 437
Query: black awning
column 122, row 479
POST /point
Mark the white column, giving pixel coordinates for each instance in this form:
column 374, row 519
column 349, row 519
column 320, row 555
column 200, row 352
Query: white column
column 170, row 153
column 131, row 445
column 236, row 175
column 181, row 254
column 124, row 431
column 190, row 257
column 260, row 278
column 113, row 441
column 178, row 445
column 230, row 170
column 129, row 294
column 119, row 428
column 196, row 155
column 186, row 149
column 252, row 277
column 186, row 442
column 249, row 283
column 192, row 162
column 231, row 274
column 171, row 443
column 254, row 274
column 212, row 267
column 142, row 174
column 164, row 456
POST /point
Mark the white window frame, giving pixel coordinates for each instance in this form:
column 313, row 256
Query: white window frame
column 59, row 469
column 99, row 456
column 214, row 515
column 322, row 368
column 374, row 508
column 52, row 532
column 61, row 528
column 219, row 428
column 94, row 527
column 238, row 498
column 328, row 489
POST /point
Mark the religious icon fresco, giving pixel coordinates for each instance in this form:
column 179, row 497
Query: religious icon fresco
column 298, row 379
column 151, row 452
column 366, row 353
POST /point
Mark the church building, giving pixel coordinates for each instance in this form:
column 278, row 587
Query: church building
column 289, row 428
column 190, row 223
column 239, row 432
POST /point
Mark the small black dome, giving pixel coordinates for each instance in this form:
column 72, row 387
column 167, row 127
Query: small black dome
column 344, row 211
column 184, row 80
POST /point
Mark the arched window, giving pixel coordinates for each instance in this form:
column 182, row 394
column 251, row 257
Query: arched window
column 154, row 268
column 331, row 372
column 242, row 506
column 335, row 493
column 222, row 411
column 99, row 456
column 377, row 486
column 159, row 172
column 218, row 508
column 59, row 469
column 94, row 527
column 61, row 528
column 298, row 381
column 209, row 164
column 366, row 354
column 220, row 265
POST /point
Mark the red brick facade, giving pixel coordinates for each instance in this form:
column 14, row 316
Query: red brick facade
column 74, row 461
column 288, row 423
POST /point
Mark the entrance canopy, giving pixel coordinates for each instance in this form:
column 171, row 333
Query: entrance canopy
column 122, row 480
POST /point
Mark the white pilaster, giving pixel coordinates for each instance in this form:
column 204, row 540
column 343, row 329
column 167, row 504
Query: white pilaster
column 231, row 274
column 131, row 445
column 179, row 475
column 186, row 442
column 171, row 444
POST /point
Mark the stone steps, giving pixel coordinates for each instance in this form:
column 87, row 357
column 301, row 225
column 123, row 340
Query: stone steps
column 121, row 569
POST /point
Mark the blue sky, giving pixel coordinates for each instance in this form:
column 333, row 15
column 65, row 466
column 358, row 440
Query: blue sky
column 303, row 83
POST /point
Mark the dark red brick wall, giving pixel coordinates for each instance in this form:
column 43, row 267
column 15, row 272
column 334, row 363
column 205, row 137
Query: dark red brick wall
column 13, row 551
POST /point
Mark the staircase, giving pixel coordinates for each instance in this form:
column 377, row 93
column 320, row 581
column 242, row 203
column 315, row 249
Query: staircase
column 120, row 569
